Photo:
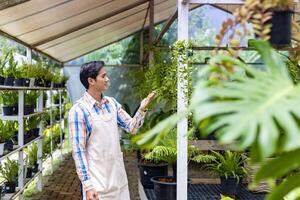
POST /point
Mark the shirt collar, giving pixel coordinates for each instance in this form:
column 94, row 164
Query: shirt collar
column 91, row 101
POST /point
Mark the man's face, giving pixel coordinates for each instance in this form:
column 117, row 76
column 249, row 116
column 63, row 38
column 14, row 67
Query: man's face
column 100, row 83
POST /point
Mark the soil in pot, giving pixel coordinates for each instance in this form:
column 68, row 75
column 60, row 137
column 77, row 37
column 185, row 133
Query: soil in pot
column 148, row 170
column 165, row 187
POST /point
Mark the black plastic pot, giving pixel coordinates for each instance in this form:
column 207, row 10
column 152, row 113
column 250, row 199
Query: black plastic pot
column 9, row 81
column 10, row 187
column 149, row 170
column 35, row 168
column 281, row 28
column 28, row 109
column 165, row 190
column 29, row 172
column 10, row 110
column 26, row 82
column 19, row 82
column 9, row 145
column 39, row 83
column 48, row 83
column 2, row 80
column 229, row 186
column 35, row 132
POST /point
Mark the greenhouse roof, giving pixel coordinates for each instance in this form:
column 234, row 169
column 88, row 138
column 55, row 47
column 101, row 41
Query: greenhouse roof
column 67, row 29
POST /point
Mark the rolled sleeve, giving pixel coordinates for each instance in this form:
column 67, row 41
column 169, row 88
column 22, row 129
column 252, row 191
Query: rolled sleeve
column 126, row 122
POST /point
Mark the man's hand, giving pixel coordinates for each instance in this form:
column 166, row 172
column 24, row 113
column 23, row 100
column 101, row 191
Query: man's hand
column 147, row 100
column 92, row 195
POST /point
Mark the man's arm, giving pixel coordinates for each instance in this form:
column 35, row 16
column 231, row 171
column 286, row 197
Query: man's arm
column 125, row 121
column 78, row 134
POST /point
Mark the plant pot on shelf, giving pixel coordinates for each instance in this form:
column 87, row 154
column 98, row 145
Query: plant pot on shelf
column 19, row 82
column 29, row 172
column 148, row 170
column 10, row 110
column 9, row 145
column 229, row 186
column 35, row 132
column 48, row 84
column 10, row 187
column 28, row 109
column 2, row 80
column 26, row 82
column 281, row 28
column 9, row 81
column 35, row 168
column 39, row 83
column 165, row 187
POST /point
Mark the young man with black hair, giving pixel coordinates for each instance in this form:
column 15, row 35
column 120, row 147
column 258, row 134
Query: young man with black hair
column 93, row 125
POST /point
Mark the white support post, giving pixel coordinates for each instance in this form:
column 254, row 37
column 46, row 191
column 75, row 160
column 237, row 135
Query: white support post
column 60, row 128
column 40, row 144
column 29, row 55
column 182, row 128
column 151, row 32
column 21, row 140
column 51, row 134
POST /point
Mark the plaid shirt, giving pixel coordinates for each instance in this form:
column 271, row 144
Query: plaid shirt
column 80, row 129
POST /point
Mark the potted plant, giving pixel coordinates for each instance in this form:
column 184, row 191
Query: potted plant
column 229, row 166
column 30, row 101
column 3, row 61
column 9, row 128
column 9, row 101
column 32, row 160
column 31, row 125
column 165, row 186
column 10, row 70
column 9, row 171
column 271, row 21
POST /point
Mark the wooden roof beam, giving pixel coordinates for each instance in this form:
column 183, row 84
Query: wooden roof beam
column 89, row 23
column 4, row 4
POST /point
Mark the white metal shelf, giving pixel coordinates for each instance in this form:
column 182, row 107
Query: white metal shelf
column 18, row 192
column 18, row 148
column 16, row 117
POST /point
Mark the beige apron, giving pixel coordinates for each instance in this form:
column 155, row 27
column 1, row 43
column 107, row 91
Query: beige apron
column 105, row 159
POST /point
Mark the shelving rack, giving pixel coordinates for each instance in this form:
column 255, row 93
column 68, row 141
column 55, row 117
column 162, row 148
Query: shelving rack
column 22, row 181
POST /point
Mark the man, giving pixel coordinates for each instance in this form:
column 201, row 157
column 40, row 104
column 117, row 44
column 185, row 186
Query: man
column 93, row 125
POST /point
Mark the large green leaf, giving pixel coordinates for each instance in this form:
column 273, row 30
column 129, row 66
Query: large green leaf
column 252, row 108
column 280, row 166
column 279, row 192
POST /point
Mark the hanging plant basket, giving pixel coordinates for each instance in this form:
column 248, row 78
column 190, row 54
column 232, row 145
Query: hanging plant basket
column 281, row 28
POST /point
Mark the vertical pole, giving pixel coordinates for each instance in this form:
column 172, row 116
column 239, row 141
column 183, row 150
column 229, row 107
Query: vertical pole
column 151, row 31
column 21, row 140
column 141, row 46
column 60, row 127
column 51, row 134
column 182, row 129
column 29, row 55
column 40, row 144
